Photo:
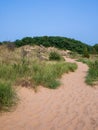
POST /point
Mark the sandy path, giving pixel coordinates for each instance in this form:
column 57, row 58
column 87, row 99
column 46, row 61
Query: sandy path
column 73, row 106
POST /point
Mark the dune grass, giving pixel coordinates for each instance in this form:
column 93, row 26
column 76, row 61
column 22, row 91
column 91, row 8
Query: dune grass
column 17, row 69
column 7, row 96
column 42, row 73
column 48, row 74
column 11, row 73
column 85, row 61
column 92, row 74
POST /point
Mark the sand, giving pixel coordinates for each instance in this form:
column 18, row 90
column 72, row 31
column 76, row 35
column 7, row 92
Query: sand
column 73, row 106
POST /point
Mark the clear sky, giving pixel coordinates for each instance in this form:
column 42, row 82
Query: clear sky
column 76, row 19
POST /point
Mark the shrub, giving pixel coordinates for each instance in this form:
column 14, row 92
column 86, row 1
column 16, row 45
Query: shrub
column 86, row 53
column 54, row 56
column 7, row 96
column 10, row 46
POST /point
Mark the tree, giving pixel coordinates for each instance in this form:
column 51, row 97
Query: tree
column 96, row 48
column 0, row 43
column 94, row 52
column 86, row 53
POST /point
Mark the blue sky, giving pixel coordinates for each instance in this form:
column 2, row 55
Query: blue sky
column 76, row 19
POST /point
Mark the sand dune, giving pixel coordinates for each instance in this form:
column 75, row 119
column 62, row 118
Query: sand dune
column 73, row 106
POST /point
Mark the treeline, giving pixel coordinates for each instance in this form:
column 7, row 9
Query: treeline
column 58, row 42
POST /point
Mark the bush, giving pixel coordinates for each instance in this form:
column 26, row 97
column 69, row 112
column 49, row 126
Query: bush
column 11, row 46
column 86, row 53
column 7, row 96
column 54, row 56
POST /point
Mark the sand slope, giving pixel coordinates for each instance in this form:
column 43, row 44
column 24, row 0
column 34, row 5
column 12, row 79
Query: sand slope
column 73, row 106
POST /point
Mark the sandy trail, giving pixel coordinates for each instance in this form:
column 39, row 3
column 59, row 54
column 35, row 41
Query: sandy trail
column 73, row 106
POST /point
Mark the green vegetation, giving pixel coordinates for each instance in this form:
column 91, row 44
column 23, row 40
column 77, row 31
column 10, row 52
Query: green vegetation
column 48, row 74
column 39, row 65
column 58, row 42
column 86, row 53
column 36, row 64
column 85, row 60
column 92, row 76
column 25, row 67
column 95, row 48
column 42, row 73
column 7, row 96
column 54, row 56
column 12, row 72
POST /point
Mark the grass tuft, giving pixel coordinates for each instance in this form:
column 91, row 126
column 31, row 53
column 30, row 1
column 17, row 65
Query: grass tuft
column 7, row 96
column 92, row 75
